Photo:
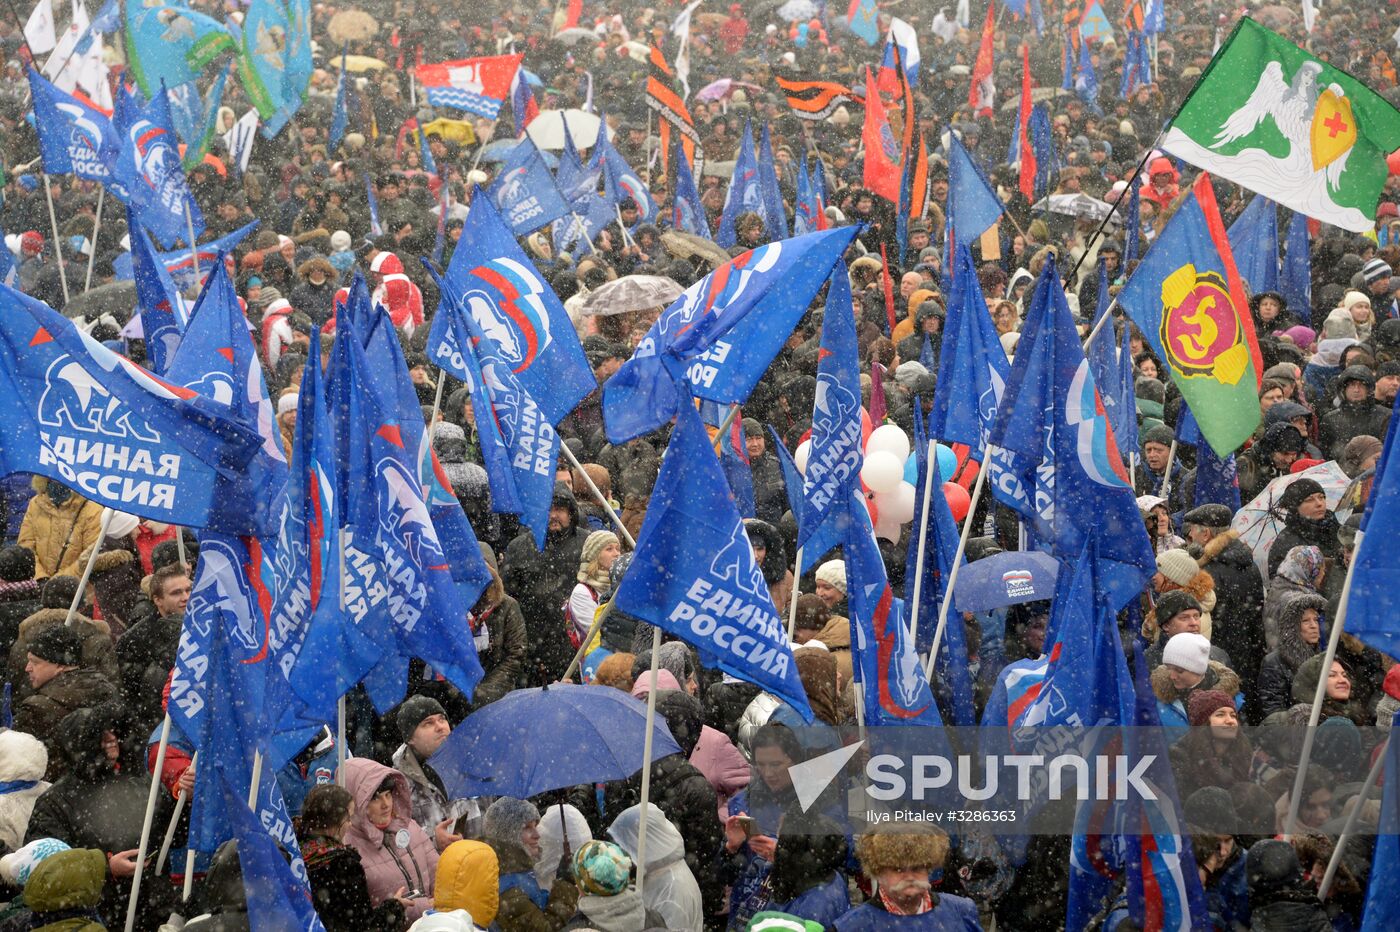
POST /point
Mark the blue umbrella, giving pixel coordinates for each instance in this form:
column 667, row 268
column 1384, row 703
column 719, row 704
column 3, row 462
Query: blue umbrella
column 534, row 740
column 1008, row 578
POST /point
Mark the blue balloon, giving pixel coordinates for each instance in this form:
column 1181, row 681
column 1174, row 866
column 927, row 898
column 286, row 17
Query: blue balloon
column 947, row 461
column 911, row 469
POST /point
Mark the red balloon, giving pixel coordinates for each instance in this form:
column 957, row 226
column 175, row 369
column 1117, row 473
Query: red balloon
column 967, row 474
column 1392, row 162
column 958, row 500
column 865, row 427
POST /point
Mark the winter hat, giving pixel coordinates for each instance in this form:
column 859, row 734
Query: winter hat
column 16, row 564
column 1300, row 336
column 602, row 868
column 1339, row 326
column 1302, row 565
column 1357, row 451
column 1178, row 566
column 413, row 712
column 31, row 243
column 1211, row 515
column 1190, row 652
column 16, row 867
column 1160, row 434
column 287, row 403
column 456, row 920
column 1374, row 271
column 770, row 921
column 594, row 544
column 1201, row 705
column 1146, row 503
column 58, row 644
column 1171, row 604
column 908, row 372
column 1357, row 373
column 1356, row 297
column 340, row 241
column 1296, row 492
column 1212, row 809
column 833, row 573
column 507, row 818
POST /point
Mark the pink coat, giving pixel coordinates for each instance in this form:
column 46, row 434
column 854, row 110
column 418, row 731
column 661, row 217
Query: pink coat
column 387, row 866
column 715, row 755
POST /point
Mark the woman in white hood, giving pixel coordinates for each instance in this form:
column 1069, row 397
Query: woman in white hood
column 668, row 887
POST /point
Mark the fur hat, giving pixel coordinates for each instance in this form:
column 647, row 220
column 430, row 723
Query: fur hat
column 833, row 573
column 58, row 644
column 1178, row 566
column 1188, row 651
column 911, row 847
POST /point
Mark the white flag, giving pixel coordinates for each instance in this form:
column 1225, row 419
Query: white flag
column 38, row 29
column 64, row 67
column 681, row 29
column 239, row 139
column 1309, row 15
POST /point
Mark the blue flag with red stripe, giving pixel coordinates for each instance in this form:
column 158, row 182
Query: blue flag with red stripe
column 160, row 304
column 148, row 168
column 745, row 193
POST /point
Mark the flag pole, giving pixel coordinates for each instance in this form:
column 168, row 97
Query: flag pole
column 437, row 408
column 646, row 758
column 92, row 243
column 107, row 515
column 174, row 821
column 1167, row 473
column 792, row 596
column 957, row 561
column 1333, row 638
column 1335, row 861
column 724, row 426
column 598, row 495
column 1098, row 324
column 146, row 824
column 57, row 245
column 194, row 247
column 490, row 134
column 923, row 541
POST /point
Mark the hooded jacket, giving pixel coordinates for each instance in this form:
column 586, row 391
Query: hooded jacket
column 1171, row 702
column 1238, row 627
column 389, row 865
column 23, row 761
column 468, row 878
column 64, row 890
column 97, row 655
column 58, row 534
column 42, row 712
column 671, row 890
column 1279, row 899
column 397, row 292
column 541, row 580
column 1274, row 687
column 1305, row 681
column 1352, row 419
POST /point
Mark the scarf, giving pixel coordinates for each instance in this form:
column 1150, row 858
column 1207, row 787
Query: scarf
column 17, row 786
column 925, row 905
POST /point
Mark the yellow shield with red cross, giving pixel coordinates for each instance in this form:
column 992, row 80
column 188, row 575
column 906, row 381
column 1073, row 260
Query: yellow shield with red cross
column 1333, row 130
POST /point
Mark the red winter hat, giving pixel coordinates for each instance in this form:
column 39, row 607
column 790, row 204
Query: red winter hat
column 1201, row 705
column 31, row 242
column 1392, row 682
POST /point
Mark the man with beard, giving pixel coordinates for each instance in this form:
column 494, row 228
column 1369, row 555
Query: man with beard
column 899, row 862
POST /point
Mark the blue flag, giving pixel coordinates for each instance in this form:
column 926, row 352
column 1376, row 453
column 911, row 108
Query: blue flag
column 722, row 332
column 687, row 213
column 972, row 376
column 575, row 233
column 1063, row 447
column 1382, row 906
column 9, row 275
column 305, row 561
column 216, row 358
column 973, row 205
column 733, row 457
column 107, row 428
column 162, row 308
column 1371, row 610
column 621, row 181
column 425, row 155
column 375, row 227
column 745, row 193
column 504, row 293
column 1127, row 388
column 938, row 533
column 519, row 446
column 1137, row 65
column 573, row 179
column 1254, row 241
column 107, row 21
column 1132, row 225
column 1119, row 401
column 1217, row 481
column 695, row 575
column 169, row 43
column 1086, row 79
column 74, row 138
column 1295, row 281
column 834, row 464
column 804, row 218
column 217, row 686
column 340, row 114
column 828, row 536
column 179, row 264
column 1164, row 889
column 896, row 691
column 774, row 213
column 525, row 192
column 1047, row 157
column 281, row 890
column 148, row 167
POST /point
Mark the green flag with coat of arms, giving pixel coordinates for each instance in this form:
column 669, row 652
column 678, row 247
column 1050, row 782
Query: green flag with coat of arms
column 1272, row 118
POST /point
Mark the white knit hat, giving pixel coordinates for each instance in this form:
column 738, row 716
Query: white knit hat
column 1178, row 566
column 287, row 402
column 1190, row 652
column 833, row 573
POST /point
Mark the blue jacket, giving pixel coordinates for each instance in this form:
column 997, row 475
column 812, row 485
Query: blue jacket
column 824, row 903
column 951, row 914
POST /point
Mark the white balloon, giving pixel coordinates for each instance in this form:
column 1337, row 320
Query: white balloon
column 900, row 503
column 882, row 471
column 891, row 439
column 888, row 528
column 799, row 459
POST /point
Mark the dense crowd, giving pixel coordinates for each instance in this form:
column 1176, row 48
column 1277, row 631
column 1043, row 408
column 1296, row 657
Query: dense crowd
column 1235, row 629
